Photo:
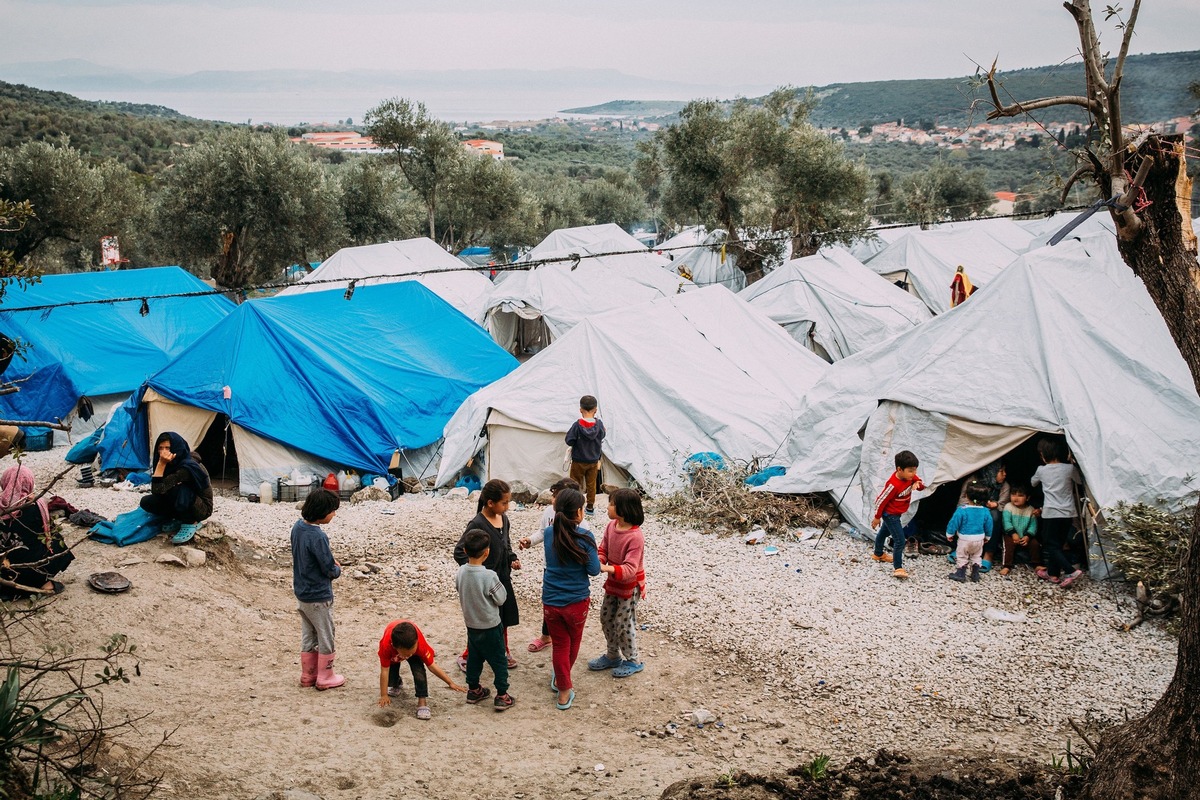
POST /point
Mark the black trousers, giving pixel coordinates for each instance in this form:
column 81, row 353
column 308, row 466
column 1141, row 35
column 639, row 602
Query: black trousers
column 420, row 679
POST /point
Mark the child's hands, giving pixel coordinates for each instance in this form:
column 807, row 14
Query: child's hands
column 524, row 543
column 609, row 568
column 384, row 701
column 920, row 487
column 455, row 687
column 516, row 564
column 875, row 523
column 1022, row 541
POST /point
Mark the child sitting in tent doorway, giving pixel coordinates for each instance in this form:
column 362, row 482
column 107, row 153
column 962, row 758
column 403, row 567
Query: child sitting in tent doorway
column 180, row 489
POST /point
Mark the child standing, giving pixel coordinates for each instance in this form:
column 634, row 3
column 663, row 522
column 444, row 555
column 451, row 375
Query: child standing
column 492, row 518
column 571, row 562
column 621, row 556
column 890, row 504
column 584, row 439
column 1020, row 528
column 973, row 526
column 1058, row 481
column 313, row 572
column 540, row 643
column 481, row 595
column 403, row 641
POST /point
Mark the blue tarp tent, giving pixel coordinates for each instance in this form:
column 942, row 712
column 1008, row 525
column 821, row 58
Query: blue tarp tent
column 99, row 350
column 346, row 382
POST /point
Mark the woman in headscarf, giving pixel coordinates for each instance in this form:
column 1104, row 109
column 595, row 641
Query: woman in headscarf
column 180, row 489
column 32, row 551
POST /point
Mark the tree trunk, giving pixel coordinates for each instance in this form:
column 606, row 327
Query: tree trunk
column 1158, row 756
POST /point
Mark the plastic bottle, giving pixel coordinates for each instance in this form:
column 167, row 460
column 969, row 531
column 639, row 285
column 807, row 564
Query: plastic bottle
column 266, row 494
column 341, row 479
column 353, row 482
column 296, row 479
column 330, row 483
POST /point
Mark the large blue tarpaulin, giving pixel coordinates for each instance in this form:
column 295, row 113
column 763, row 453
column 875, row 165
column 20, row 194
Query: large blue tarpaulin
column 98, row 349
column 349, row 381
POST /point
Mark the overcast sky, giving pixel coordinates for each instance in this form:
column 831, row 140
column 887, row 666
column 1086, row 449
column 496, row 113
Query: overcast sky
column 715, row 42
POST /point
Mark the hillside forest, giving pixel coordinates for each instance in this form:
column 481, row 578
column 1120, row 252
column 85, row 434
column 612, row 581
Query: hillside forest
column 241, row 203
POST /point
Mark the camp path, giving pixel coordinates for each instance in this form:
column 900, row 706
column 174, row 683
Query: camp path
column 814, row 650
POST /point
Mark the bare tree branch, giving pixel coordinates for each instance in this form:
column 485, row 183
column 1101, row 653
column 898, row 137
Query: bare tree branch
column 1076, row 175
column 1119, row 69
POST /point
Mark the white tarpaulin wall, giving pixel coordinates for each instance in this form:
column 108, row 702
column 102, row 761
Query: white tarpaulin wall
column 703, row 262
column 518, row 451
column 465, row 289
column 694, row 372
column 612, row 236
column 1065, row 340
column 927, row 260
column 260, row 459
column 833, row 305
column 562, row 294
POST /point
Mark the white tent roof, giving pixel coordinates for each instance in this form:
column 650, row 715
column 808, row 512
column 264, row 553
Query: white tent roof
column 612, row 236
column 832, row 302
column 462, row 288
column 689, row 373
column 1066, row 340
column 931, row 257
column 703, row 260
column 564, row 293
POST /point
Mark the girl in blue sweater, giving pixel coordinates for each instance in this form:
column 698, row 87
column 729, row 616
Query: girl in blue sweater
column 571, row 561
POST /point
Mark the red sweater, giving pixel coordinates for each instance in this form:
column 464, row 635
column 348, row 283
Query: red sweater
column 896, row 495
column 387, row 653
column 624, row 550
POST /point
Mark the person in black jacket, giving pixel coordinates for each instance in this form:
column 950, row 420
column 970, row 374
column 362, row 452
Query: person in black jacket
column 180, row 489
column 31, row 551
column 585, row 438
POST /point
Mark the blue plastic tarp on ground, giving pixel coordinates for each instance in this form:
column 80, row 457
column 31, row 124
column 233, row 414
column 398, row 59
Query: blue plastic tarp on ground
column 349, row 381
column 102, row 348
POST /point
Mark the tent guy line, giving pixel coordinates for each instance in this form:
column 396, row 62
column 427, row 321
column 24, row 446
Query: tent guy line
column 515, row 267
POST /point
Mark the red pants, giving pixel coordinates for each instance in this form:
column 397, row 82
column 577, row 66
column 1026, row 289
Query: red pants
column 566, row 632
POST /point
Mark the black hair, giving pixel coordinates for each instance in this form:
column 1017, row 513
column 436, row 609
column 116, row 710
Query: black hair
column 906, row 459
column 1063, row 451
column 476, row 543
column 492, row 492
column 564, row 483
column 566, row 542
column 588, row 403
column 1018, row 488
column 1048, row 450
column 628, row 504
column 319, row 504
column 978, row 493
column 404, row 636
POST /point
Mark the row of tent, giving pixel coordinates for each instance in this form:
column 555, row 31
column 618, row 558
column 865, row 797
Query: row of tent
column 1059, row 340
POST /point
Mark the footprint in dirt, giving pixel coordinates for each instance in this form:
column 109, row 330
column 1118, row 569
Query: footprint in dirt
column 385, row 717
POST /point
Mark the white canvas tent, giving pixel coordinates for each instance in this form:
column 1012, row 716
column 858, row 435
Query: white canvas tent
column 927, row 260
column 833, row 305
column 1065, row 340
column 418, row 259
column 688, row 373
column 612, row 236
column 702, row 261
column 529, row 309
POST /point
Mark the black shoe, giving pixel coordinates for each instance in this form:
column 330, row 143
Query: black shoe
column 959, row 575
column 974, row 573
column 478, row 694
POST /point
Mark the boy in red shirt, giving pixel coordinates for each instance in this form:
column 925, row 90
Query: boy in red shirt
column 403, row 641
column 890, row 504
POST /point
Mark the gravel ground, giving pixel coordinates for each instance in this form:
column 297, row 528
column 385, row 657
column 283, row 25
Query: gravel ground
column 818, row 633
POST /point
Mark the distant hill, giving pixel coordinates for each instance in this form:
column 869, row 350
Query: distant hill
column 641, row 108
column 1155, row 88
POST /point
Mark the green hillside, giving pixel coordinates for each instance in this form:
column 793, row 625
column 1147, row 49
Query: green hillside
column 139, row 136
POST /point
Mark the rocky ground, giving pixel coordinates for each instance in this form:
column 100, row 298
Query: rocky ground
column 816, row 650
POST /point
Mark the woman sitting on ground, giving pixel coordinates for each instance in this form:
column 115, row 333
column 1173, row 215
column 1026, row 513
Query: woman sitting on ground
column 32, row 551
column 180, row 489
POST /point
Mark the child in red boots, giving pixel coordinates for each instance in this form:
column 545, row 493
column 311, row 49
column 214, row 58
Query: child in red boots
column 313, row 571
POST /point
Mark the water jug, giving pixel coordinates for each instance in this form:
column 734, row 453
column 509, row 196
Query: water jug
column 265, row 493
column 330, row 482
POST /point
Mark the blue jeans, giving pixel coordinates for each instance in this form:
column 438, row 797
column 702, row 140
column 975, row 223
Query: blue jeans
column 891, row 527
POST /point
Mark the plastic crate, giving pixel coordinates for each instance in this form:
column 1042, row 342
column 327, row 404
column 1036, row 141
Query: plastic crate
column 38, row 439
column 287, row 493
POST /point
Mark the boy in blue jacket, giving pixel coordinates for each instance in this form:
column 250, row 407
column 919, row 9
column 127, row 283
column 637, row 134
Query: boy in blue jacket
column 585, row 438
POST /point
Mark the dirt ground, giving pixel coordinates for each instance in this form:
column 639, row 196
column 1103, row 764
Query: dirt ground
column 219, row 667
